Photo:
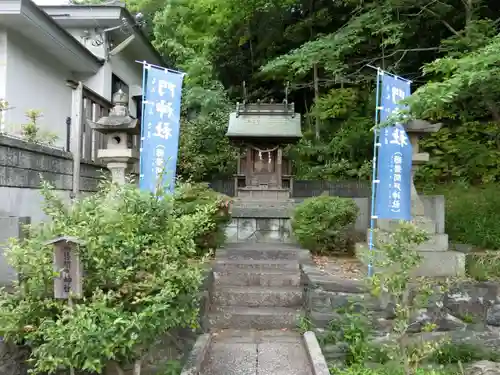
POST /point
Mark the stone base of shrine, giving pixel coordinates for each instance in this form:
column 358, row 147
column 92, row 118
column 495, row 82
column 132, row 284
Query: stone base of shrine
column 265, row 193
column 259, row 229
column 434, row 263
column 437, row 242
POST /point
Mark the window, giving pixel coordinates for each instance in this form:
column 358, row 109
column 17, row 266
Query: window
column 118, row 84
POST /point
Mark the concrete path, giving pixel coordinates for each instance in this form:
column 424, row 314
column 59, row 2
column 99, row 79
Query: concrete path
column 257, row 353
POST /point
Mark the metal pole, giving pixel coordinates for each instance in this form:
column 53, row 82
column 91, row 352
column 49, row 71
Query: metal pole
column 374, row 174
column 143, row 127
column 144, row 63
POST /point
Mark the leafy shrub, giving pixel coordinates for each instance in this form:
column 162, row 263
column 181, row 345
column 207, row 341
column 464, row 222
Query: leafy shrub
column 323, row 224
column 386, row 370
column 189, row 197
column 463, row 353
column 472, row 214
column 483, row 266
column 140, row 279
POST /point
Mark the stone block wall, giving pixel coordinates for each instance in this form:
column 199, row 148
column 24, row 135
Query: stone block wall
column 466, row 305
column 22, row 167
column 259, row 229
column 24, row 164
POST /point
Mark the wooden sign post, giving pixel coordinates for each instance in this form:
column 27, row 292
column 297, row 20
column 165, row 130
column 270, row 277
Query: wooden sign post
column 67, row 263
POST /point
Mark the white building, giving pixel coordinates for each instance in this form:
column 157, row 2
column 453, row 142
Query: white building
column 45, row 51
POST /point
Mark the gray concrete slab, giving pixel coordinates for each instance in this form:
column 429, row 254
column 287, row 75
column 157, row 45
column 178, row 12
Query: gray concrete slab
column 231, row 358
column 253, row 352
column 283, row 358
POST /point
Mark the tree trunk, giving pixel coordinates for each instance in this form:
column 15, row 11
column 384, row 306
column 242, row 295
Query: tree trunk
column 137, row 367
column 316, row 97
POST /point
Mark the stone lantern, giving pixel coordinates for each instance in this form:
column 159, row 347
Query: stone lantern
column 416, row 129
column 119, row 129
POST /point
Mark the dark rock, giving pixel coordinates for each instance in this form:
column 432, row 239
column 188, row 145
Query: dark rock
column 493, row 316
column 483, row 368
column 469, row 301
column 13, row 359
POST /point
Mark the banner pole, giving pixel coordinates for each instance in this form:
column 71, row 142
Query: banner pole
column 374, row 174
column 143, row 127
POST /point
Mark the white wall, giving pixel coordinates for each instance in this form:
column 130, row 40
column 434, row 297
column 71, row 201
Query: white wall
column 3, row 71
column 35, row 81
column 77, row 33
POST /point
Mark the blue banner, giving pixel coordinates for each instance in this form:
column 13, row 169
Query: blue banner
column 160, row 124
column 393, row 192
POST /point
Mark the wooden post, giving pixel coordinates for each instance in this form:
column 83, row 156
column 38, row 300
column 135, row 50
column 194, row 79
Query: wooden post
column 249, row 168
column 67, row 263
column 279, row 167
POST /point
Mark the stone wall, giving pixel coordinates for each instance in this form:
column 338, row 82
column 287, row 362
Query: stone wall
column 259, row 229
column 471, row 307
column 270, row 222
column 23, row 164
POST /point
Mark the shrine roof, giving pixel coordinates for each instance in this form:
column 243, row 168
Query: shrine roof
column 265, row 121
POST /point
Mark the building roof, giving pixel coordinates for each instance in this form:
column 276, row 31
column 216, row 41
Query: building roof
column 265, row 121
column 33, row 23
column 105, row 16
column 45, row 27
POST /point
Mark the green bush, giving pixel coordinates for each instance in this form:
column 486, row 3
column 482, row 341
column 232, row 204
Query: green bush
column 140, row 278
column 472, row 214
column 324, row 224
column 386, row 370
column 189, row 197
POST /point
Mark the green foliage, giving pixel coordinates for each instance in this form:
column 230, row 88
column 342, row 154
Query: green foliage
column 140, row 279
column 322, row 224
column 346, row 145
column 483, row 266
column 354, row 329
column 188, row 198
column 462, row 78
column 204, row 150
column 394, row 266
column 364, row 370
column 32, row 133
column 221, row 44
column 471, row 214
column 468, row 152
column 463, row 353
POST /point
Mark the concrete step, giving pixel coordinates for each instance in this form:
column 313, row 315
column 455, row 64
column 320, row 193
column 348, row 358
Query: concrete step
column 254, row 202
column 236, row 317
column 264, row 278
column 267, row 253
column 234, row 264
column 257, row 296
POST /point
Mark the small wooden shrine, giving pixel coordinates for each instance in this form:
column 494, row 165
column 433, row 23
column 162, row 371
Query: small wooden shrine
column 260, row 131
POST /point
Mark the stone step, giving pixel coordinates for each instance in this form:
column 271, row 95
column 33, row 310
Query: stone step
column 265, row 278
column 261, row 246
column 256, row 202
column 228, row 264
column 236, row 317
column 263, row 253
column 257, row 296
